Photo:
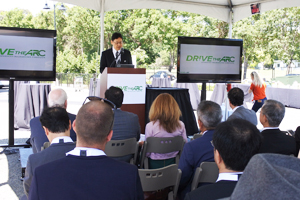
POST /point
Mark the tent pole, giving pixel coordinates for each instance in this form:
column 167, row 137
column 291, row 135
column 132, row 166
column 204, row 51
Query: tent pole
column 230, row 24
column 102, row 26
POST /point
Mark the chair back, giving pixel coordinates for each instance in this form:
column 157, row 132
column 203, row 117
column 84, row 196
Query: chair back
column 118, row 148
column 161, row 145
column 197, row 135
column 158, row 179
column 45, row 146
column 208, row 172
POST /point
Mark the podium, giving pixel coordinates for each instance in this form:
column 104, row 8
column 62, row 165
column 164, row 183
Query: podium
column 133, row 83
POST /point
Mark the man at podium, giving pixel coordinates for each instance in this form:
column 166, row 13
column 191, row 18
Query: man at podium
column 116, row 54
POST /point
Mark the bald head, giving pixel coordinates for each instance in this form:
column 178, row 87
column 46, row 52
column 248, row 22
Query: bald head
column 57, row 97
column 94, row 122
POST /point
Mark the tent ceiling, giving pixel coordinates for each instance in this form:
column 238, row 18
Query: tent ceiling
column 213, row 8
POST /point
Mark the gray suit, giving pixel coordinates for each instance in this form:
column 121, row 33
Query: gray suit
column 244, row 113
column 126, row 125
column 53, row 152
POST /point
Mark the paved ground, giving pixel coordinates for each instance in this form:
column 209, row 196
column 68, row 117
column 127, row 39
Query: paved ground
column 10, row 168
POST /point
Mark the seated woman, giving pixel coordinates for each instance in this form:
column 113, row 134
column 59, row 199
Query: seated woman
column 164, row 122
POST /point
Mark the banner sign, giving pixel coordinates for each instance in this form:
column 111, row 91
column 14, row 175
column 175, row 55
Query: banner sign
column 133, row 86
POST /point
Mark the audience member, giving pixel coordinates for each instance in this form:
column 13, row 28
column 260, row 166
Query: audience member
column 235, row 142
column 236, row 100
column 126, row 124
column 55, row 121
column 164, row 122
column 297, row 138
column 275, row 141
column 269, row 176
column 86, row 172
column 57, row 97
column 258, row 87
column 199, row 150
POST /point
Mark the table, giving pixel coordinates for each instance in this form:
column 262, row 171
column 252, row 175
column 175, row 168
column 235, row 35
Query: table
column 30, row 100
column 161, row 82
column 181, row 95
column 193, row 91
column 24, row 154
column 289, row 97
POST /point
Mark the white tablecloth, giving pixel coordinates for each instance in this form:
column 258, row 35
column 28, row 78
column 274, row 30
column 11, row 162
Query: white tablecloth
column 193, row 91
column 161, row 82
column 289, row 97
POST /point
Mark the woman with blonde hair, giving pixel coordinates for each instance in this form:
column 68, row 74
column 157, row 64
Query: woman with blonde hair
column 258, row 87
column 164, row 122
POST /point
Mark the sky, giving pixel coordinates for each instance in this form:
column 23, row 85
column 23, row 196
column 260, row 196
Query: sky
column 34, row 6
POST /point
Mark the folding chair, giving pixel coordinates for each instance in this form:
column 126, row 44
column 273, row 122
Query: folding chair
column 158, row 179
column 197, row 135
column 45, row 145
column 208, row 172
column 118, row 148
column 161, row 145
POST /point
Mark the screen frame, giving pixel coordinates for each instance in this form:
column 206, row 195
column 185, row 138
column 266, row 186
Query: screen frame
column 209, row 78
column 26, row 75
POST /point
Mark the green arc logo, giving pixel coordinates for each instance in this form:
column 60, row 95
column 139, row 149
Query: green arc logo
column 131, row 89
column 13, row 52
column 225, row 59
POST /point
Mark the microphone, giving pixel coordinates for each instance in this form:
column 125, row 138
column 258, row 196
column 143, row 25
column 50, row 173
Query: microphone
column 115, row 61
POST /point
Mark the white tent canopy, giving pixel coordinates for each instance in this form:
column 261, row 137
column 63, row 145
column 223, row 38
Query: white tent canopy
column 225, row 10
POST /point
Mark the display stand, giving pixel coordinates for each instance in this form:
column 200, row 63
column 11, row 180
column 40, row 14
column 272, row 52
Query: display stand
column 133, row 83
column 203, row 91
column 11, row 133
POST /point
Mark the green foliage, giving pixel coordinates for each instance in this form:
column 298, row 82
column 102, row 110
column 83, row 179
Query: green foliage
column 151, row 34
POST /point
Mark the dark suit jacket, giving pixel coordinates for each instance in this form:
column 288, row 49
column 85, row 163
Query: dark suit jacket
column 275, row 141
column 53, row 152
column 297, row 138
column 126, row 125
column 194, row 153
column 244, row 113
column 218, row 190
column 38, row 136
column 108, row 57
column 79, row 177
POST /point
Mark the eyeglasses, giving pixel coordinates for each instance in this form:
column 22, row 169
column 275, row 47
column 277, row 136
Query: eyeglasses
column 94, row 98
column 117, row 43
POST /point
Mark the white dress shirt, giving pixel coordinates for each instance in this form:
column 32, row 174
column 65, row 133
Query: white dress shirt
column 89, row 151
column 114, row 52
column 65, row 138
column 229, row 176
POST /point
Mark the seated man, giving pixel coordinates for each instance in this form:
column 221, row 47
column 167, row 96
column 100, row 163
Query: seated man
column 236, row 100
column 56, row 123
column 235, row 142
column 57, row 97
column 126, row 124
column 199, row 150
column 275, row 141
column 86, row 172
